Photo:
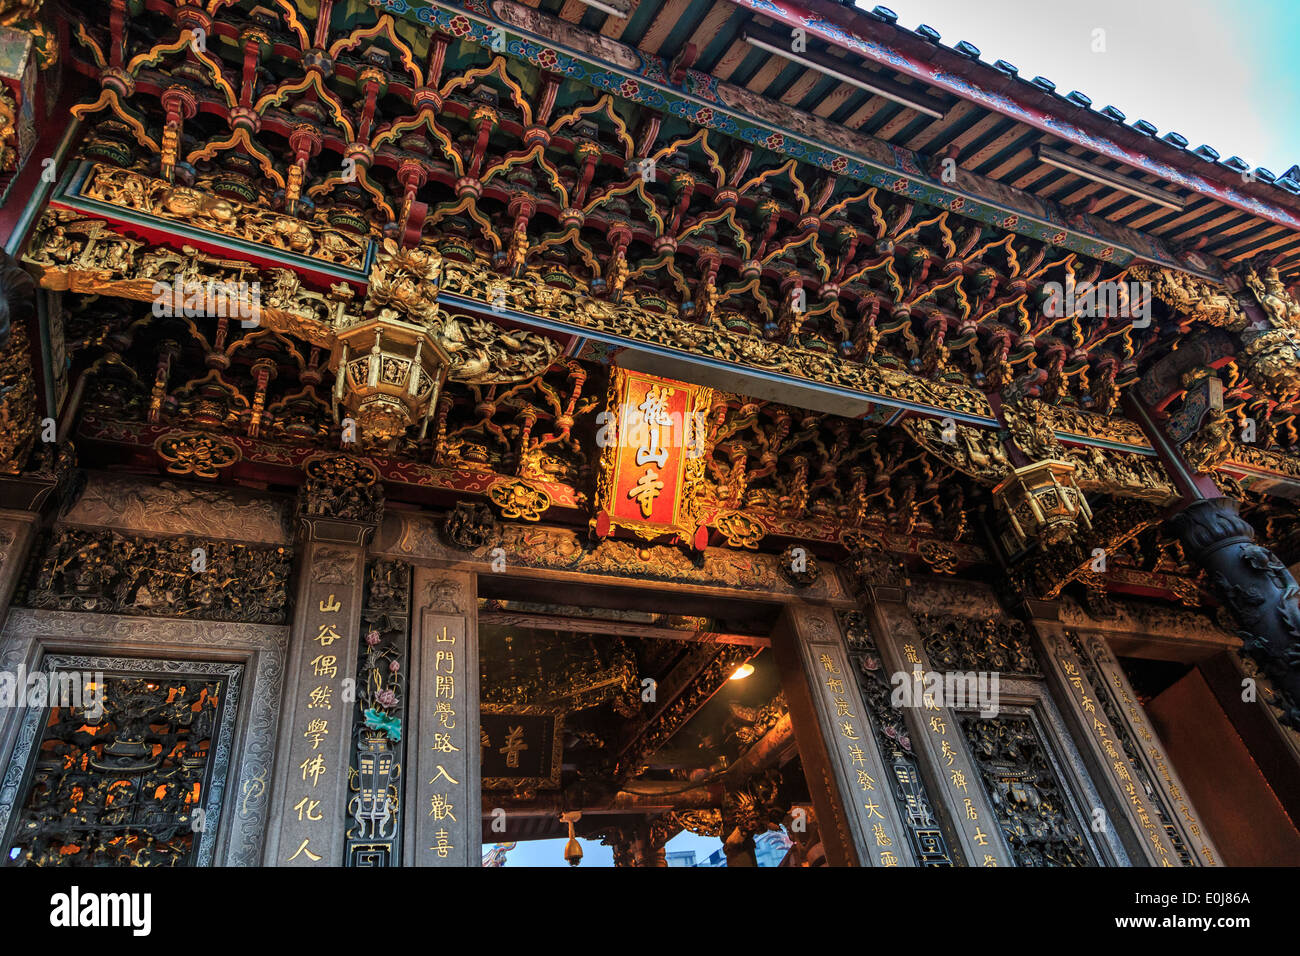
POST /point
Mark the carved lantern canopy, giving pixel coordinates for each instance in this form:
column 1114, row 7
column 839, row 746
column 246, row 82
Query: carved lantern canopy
column 389, row 363
column 389, row 374
column 1041, row 504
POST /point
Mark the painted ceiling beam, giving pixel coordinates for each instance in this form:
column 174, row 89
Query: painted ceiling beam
column 1107, row 177
column 847, row 71
column 615, row 8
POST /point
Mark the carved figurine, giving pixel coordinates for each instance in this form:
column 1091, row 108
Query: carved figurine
column 518, row 253
column 617, row 276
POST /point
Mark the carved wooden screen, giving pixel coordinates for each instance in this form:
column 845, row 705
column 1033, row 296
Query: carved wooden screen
column 141, row 784
column 1038, row 788
column 1035, row 809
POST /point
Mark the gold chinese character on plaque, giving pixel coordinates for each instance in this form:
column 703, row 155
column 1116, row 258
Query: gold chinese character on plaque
column 654, row 444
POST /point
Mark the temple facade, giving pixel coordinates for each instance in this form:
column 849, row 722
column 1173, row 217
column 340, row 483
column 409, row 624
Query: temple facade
column 430, row 425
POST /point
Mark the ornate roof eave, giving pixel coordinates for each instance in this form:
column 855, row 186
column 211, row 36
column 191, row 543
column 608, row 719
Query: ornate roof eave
column 981, row 83
column 240, row 456
column 475, row 289
column 705, row 101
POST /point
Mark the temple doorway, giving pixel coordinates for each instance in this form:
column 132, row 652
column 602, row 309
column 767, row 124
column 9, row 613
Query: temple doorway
column 635, row 729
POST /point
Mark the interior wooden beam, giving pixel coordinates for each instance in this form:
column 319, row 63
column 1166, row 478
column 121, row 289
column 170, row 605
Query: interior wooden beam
column 559, row 622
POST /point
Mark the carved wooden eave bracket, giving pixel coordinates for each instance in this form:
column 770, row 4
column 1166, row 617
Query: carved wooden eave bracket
column 1048, row 570
column 77, row 253
column 1252, row 322
column 1045, row 432
column 710, row 103
column 403, row 346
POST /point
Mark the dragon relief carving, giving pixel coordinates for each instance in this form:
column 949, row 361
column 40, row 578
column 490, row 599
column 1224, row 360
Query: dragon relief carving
column 1032, row 429
column 1271, row 357
column 1197, row 299
column 484, row 353
column 1211, row 445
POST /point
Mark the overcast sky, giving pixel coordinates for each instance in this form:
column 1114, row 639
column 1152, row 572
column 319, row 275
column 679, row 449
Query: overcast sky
column 1221, row 72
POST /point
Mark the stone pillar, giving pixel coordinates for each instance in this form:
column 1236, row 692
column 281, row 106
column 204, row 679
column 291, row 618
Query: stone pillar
column 1254, row 585
column 1130, row 814
column 339, row 507
column 1145, row 750
column 936, row 735
column 845, row 771
column 1248, row 578
column 443, row 817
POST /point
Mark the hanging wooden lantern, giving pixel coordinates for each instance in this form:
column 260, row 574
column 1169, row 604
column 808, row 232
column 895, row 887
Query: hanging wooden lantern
column 389, row 375
column 1042, row 504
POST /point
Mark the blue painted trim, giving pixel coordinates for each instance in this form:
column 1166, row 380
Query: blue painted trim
column 1105, row 443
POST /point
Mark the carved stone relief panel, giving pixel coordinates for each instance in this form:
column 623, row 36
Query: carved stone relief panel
column 106, row 571
column 928, row 595
column 1034, row 780
column 241, row 736
column 1030, row 800
column 176, row 508
column 146, row 787
column 992, row 644
column 379, row 749
column 531, row 547
column 1151, row 623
